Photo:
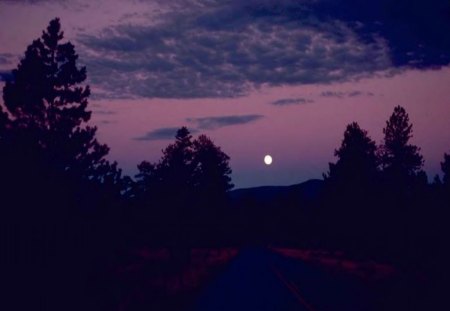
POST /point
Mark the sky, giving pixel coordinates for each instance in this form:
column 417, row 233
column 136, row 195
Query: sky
column 258, row 76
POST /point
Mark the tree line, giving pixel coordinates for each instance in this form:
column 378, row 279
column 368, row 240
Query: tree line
column 377, row 203
column 54, row 172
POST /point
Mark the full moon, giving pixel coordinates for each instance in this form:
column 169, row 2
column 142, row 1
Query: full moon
column 268, row 159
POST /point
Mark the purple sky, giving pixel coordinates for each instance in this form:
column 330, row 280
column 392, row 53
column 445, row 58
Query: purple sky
column 265, row 77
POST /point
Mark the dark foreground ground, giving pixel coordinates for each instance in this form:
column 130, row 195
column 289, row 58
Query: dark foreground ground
column 219, row 279
column 259, row 279
column 269, row 279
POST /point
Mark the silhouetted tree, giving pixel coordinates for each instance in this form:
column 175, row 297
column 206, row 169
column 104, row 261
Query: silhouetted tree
column 172, row 178
column 404, row 186
column 46, row 96
column 357, row 163
column 350, row 186
column 146, row 182
column 186, row 189
column 399, row 159
column 211, row 170
column 169, row 180
column 46, row 138
column 164, row 190
column 176, row 167
column 53, row 175
column 404, row 183
column 187, row 169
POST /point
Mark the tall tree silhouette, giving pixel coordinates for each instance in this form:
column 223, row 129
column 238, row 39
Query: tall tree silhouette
column 176, row 165
column 168, row 183
column 357, row 161
column 45, row 133
column 404, row 184
column 212, row 171
column 46, row 96
column 350, row 185
column 187, row 168
column 186, row 189
column 53, row 172
column 399, row 158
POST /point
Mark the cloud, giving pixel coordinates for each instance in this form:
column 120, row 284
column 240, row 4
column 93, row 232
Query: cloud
column 291, row 101
column 355, row 94
column 218, row 49
column 359, row 93
column 203, row 123
column 164, row 133
column 415, row 30
column 332, row 94
column 212, row 123
column 340, row 94
column 227, row 49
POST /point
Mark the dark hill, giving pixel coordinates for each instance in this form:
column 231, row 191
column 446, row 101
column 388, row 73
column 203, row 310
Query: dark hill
column 306, row 191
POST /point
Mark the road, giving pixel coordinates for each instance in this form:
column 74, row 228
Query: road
column 260, row 280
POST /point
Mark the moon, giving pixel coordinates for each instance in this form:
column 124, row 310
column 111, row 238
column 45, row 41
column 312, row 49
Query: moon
column 268, row 159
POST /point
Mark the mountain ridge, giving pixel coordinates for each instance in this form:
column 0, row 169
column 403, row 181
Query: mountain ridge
column 307, row 190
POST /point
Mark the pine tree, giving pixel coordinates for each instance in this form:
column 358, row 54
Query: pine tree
column 47, row 102
column 351, row 184
column 212, row 170
column 47, row 146
column 400, row 159
column 357, row 161
column 189, row 172
column 176, row 165
column 168, row 182
column 53, row 174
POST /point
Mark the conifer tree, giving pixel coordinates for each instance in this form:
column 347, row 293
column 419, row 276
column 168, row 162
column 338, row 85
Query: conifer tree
column 212, row 170
column 357, row 160
column 399, row 158
column 47, row 146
